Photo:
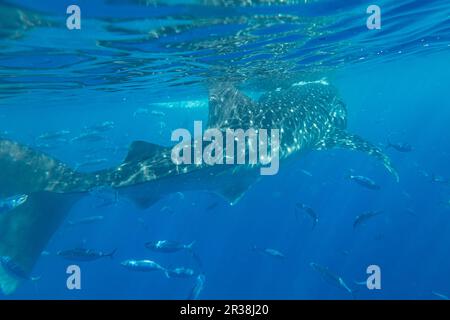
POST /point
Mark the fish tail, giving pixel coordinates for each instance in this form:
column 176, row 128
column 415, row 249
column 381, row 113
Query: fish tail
column 360, row 283
column 354, row 291
column 349, row 174
column 111, row 254
column 190, row 245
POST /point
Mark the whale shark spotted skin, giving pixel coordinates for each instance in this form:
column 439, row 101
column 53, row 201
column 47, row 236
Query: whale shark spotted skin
column 310, row 117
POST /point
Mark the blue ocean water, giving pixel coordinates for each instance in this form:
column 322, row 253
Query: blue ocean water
column 146, row 67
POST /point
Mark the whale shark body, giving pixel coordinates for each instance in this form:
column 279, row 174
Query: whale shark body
column 310, row 117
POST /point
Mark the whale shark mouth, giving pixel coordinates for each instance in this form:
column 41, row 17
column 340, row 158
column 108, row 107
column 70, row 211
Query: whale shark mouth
column 146, row 175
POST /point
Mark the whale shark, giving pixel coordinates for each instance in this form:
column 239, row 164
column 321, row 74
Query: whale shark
column 310, row 116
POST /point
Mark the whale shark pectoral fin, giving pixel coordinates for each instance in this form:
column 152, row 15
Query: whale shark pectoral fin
column 344, row 140
column 233, row 189
column 141, row 150
column 143, row 201
column 25, row 231
column 234, row 193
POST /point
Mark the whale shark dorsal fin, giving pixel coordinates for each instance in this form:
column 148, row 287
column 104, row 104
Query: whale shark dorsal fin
column 227, row 105
column 141, row 150
column 341, row 139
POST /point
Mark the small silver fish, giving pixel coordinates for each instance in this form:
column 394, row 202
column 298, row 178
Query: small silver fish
column 198, row 287
column 269, row 252
column 80, row 254
column 88, row 137
column 365, row 182
column 142, row 265
column 13, row 202
column 86, row 220
column 167, row 246
column 440, row 295
column 157, row 113
column 180, row 272
column 306, row 172
column 362, row 218
column 400, row 147
column 331, row 278
column 102, row 127
column 140, row 111
column 53, row 135
column 310, row 212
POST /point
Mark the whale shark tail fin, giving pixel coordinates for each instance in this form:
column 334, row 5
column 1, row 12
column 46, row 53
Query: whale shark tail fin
column 25, row 231
column 344, row 140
